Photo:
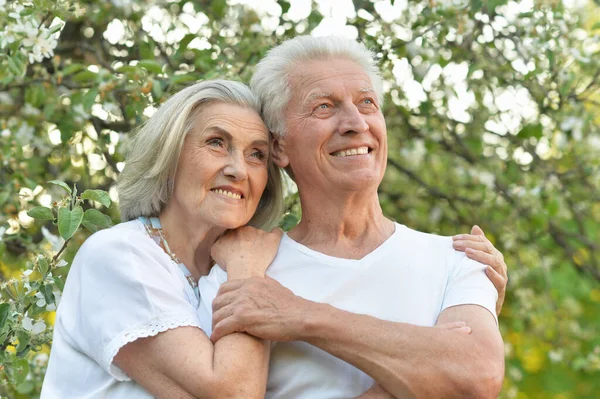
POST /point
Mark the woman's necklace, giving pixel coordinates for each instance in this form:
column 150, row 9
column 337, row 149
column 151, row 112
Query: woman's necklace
column 155, row 230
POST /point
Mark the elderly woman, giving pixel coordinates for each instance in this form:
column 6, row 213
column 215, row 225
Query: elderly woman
column 127, row 324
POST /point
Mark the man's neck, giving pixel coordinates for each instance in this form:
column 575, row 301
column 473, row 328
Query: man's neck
column 350, row 227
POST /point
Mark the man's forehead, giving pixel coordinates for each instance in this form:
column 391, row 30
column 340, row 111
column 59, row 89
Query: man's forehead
column 316, row 94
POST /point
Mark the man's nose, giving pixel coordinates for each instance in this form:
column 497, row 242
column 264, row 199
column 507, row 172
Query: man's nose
column 236, row 167
column 352, row 120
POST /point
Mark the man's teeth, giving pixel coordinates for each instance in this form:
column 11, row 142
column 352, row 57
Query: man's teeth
column 227, row 193
column 352, row 151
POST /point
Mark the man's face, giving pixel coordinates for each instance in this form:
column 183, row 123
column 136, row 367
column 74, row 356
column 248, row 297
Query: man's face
column 336, row 135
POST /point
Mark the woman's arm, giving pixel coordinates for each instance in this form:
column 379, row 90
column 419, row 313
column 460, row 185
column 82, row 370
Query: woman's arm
column 183, row 363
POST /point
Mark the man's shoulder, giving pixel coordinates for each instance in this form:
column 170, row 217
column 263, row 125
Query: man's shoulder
column 419, row 239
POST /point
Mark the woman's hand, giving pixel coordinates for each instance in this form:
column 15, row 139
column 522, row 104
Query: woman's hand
column 246, row 251
column 477, row 247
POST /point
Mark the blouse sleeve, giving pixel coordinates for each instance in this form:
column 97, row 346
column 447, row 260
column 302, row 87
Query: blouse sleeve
column 124, row 287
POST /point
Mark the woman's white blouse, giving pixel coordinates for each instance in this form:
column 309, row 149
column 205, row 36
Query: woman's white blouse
column 122, row 286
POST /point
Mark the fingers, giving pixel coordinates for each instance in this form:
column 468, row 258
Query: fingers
column 230, row 285
column 476, row 230
column 486, row 246
column 496, row 261
column 224, row 327
column 223, row 300
column 497, row 279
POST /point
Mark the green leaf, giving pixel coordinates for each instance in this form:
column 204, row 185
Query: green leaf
column 97, row 195
column 157, row 90
column 41, row 213
column 14, row 67
column 85, row 76
column 96, row 218
column 60, row 284
column 89, row 98
column 69, row 221
column 4, row 196
column 72, row 69
column 25, row 387
column 61, row 184
column 20, row 369
column 177, row 79
column 43, row 265
column 46, row 290
column 531, row 130
column 128, row 69
column 55, row 29
column 187, row 39
column 23, row 337
column 4, row 309
column 151, row 66
column 596, row 26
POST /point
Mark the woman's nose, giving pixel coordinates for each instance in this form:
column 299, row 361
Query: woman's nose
column 236, row 167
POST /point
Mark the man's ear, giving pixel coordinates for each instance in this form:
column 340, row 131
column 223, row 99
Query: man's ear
column 278, row 150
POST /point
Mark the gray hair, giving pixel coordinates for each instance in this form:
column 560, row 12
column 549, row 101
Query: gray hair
column 271, row 81
column 146, row 183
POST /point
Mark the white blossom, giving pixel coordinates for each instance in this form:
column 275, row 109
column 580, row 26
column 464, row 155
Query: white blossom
column 41, row 359
column 41, row 302
column 36, row 328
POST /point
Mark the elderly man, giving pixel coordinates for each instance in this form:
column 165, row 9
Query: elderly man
column 354, row 298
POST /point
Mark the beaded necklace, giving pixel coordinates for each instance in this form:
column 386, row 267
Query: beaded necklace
column 155, row 231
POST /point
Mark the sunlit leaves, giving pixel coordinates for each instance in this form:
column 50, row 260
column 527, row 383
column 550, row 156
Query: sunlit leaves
column 68, row 221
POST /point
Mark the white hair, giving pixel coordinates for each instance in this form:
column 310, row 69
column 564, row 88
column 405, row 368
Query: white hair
column 146, row 183
column 271, row 79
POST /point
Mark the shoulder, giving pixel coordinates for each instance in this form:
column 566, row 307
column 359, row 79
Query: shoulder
column 117, row 238
column 123, row 247
column 424, row 241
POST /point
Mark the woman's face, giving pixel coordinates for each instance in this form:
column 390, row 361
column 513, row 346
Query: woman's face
column 222, row 170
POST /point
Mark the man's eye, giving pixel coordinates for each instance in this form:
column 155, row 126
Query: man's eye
column 323, row 106
column 369, row 101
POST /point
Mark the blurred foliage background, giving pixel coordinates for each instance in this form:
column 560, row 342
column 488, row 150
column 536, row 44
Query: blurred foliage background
column 493, row 115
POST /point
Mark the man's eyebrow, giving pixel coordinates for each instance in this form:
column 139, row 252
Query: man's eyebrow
column 317, row 96
column 367, row 90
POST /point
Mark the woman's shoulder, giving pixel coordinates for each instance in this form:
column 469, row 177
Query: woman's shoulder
column 121, row 238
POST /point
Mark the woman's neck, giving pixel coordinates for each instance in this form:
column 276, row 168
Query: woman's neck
column 190, row 240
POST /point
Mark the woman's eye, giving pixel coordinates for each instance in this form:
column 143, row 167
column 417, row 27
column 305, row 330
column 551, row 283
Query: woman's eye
column 259, row 154
column 216, row 142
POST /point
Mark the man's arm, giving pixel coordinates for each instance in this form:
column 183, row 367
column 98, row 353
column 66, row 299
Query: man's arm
column 408, row 361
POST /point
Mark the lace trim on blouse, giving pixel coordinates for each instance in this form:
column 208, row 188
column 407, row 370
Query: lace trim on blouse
column 150, row 328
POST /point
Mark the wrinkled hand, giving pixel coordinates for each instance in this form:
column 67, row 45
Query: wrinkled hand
column 246, row 251
column 477, row 247
column 378, row 392
column 261, row 307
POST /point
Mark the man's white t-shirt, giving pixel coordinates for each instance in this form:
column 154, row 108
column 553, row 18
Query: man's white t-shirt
column 412, row 277
column 122, row 286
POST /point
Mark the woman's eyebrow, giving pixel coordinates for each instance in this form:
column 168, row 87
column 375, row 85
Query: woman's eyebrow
column 221, row 131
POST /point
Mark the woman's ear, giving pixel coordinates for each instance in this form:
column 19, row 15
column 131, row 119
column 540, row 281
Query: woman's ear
column 278, row 150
